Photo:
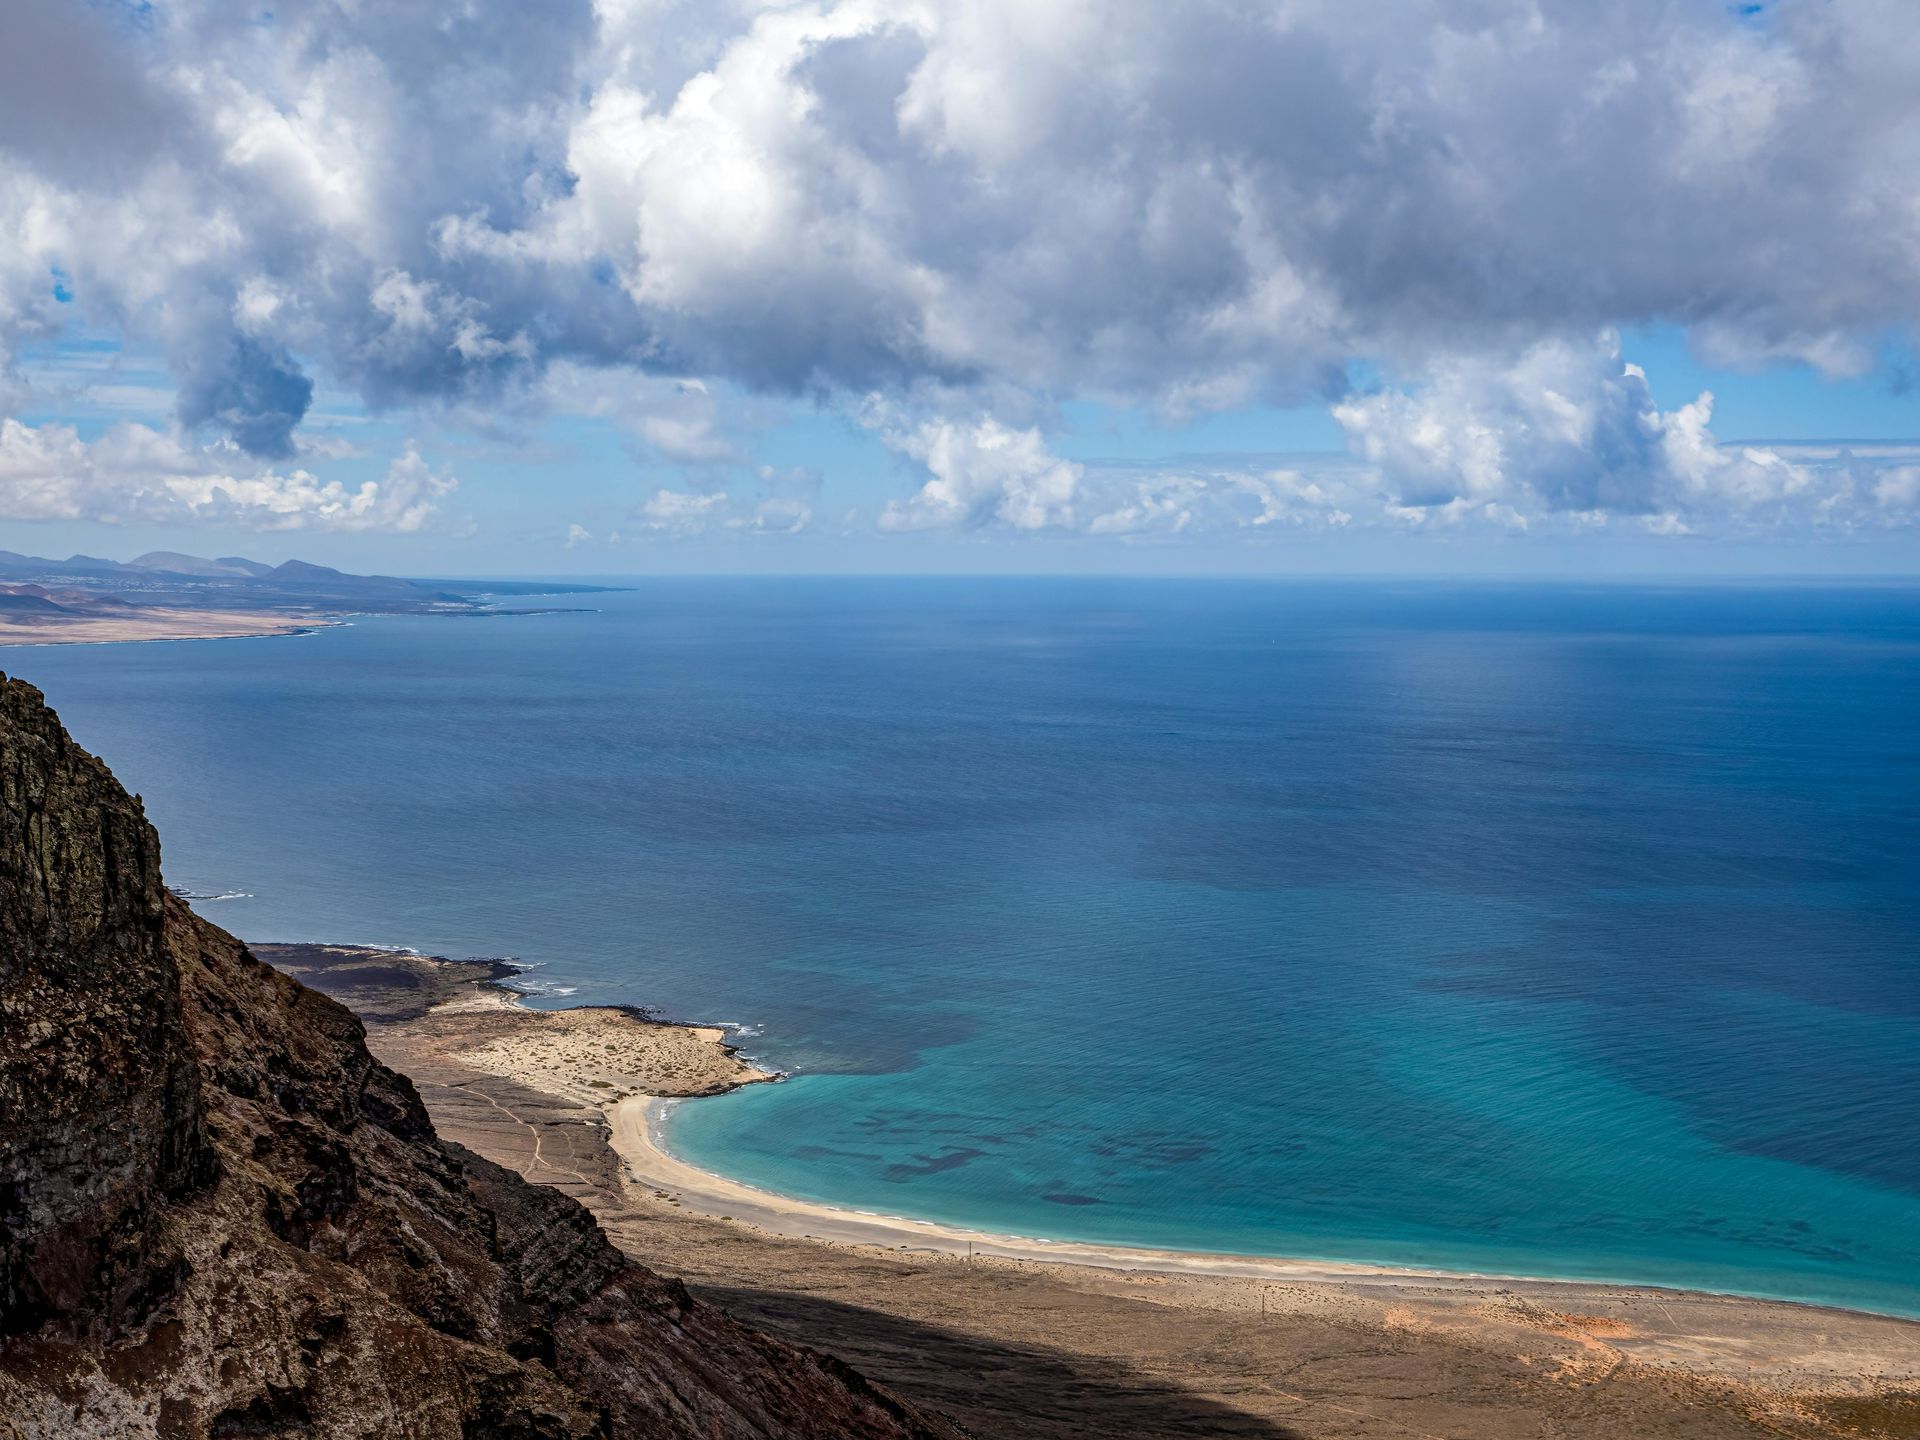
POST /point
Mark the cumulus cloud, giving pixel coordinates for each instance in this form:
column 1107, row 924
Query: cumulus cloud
column 251, row 394
column 134, row 474
column 1564, row 428
column 1899, row 488
column 983, row 472
column 453, row 206
column 1564, row 436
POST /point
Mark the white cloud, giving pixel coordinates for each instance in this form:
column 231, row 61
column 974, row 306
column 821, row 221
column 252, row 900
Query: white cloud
column 1195, row 497
column 681, row 512
column 1290, row 497
column 983, row 473
column 1564, row 428
column 1562, row 437
column 1899, row 488
column 136, row 475
column 872, row 192
column 645, row 209
column 1157, row 506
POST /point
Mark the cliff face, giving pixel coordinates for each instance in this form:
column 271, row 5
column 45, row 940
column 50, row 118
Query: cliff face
column 100, row 1119
column 220, row 1216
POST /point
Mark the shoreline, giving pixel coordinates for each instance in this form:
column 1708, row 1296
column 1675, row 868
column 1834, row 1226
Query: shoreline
column 636, row 1126
column 637, row 1134
column 574, row 1098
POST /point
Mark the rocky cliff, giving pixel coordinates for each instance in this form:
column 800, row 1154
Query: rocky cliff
column 219, row 1216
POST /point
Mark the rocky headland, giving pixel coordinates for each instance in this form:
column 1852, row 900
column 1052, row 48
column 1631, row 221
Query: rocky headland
column 221, row 1216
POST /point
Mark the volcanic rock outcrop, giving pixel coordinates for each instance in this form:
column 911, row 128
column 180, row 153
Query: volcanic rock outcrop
column 220, row 1216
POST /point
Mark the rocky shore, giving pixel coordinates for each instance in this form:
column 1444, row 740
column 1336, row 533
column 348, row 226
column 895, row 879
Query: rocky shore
column 592, row 1055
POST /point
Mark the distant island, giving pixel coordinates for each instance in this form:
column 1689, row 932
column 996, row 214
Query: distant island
column 165, row 595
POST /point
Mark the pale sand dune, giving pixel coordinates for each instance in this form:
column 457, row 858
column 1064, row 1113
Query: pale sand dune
column 157, row 624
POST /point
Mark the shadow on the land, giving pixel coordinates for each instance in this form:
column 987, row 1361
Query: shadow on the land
column 997, row 1391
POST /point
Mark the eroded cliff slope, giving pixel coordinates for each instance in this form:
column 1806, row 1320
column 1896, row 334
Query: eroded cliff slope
column 220, row 1216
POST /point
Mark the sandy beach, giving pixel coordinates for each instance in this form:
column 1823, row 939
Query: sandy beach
column 1016, row 1336
column 637, row 1133
column 155, row 624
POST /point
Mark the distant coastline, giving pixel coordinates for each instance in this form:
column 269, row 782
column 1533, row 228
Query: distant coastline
column 85, row 600
column 158, row 625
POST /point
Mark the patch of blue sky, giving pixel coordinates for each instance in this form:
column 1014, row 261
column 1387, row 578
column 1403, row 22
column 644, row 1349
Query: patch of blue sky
column 586, row 472
column 1782, row 400
column 93, row 381
column 854, row 468
column 531, row 483
column 135, row 16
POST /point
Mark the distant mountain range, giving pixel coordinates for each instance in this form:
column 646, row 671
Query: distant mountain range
column 44, row 600
column 169, row 578
column 174, row 563
column 163, row 567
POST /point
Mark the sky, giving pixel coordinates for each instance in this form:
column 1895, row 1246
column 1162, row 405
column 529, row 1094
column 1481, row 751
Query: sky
column 1167, row 287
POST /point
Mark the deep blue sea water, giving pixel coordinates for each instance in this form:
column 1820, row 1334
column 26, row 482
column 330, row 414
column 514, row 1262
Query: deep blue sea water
column 1556, row 930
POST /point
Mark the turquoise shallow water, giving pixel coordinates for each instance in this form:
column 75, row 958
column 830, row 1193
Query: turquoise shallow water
column 1527, row 929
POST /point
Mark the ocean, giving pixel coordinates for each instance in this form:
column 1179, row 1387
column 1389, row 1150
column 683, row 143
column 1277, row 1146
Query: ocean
column 1534, row 929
